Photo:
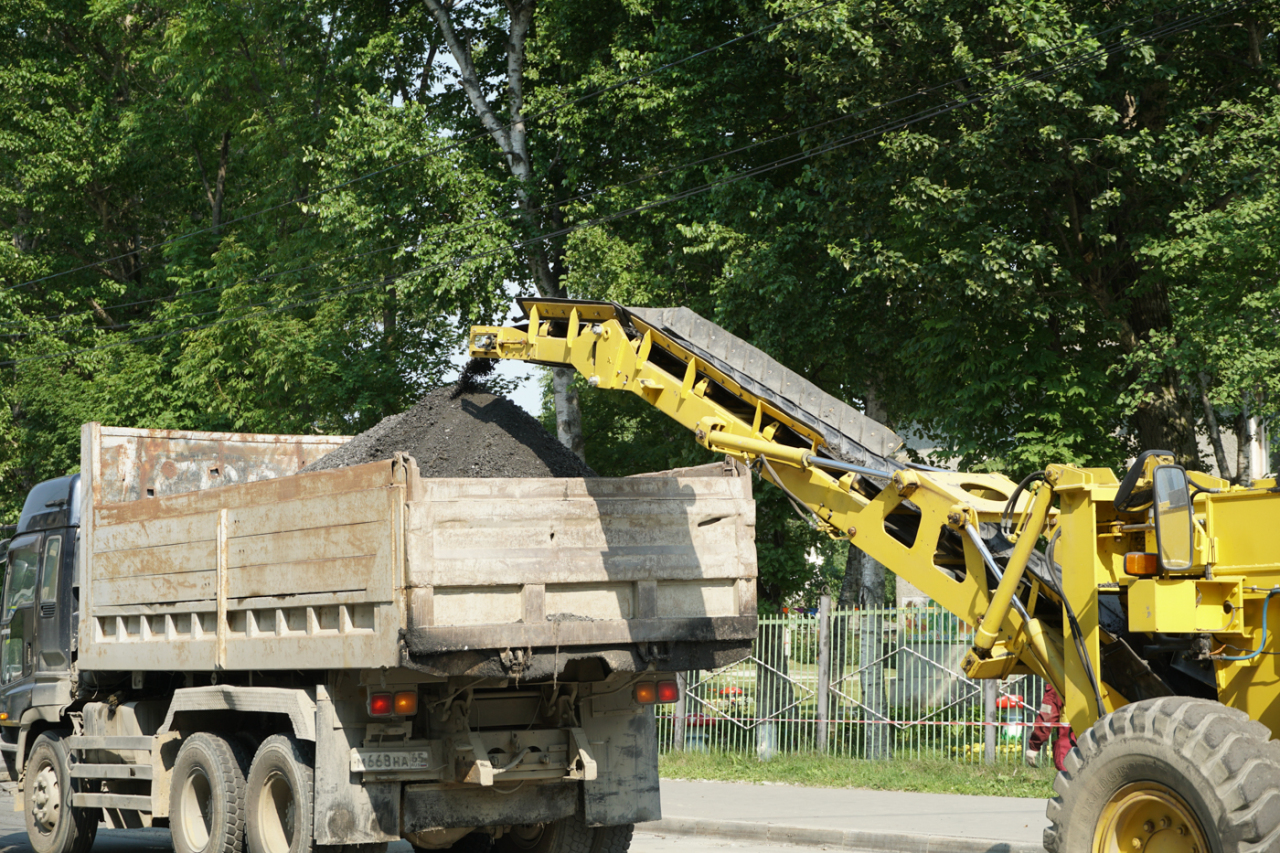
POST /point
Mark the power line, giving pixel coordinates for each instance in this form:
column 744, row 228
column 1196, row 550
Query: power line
column 585, row 195
column 383, row 281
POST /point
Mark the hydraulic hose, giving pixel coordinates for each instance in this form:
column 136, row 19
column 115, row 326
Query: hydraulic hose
column 1262, row 643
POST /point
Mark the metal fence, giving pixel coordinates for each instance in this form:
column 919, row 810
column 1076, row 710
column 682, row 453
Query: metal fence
column 889, row 680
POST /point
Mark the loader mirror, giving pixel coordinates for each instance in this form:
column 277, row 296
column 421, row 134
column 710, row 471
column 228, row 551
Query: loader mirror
column 1174, row 531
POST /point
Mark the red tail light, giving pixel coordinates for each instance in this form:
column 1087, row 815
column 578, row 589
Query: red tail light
column 668, row 691
column 381, row 704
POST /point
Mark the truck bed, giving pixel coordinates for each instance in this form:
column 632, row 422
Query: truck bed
column 373, row 566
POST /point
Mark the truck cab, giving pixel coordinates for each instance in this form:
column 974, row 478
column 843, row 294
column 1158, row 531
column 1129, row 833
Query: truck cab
column 38, row 605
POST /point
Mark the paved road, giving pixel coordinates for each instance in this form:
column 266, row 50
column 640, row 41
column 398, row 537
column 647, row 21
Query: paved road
column 1009, row 819
column 14, row 840
column 936, row 815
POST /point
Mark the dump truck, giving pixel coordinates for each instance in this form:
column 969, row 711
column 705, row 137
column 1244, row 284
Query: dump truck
column 195, row 635
column 1143, row 598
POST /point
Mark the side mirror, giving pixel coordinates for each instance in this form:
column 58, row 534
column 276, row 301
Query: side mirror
column 1175, row 531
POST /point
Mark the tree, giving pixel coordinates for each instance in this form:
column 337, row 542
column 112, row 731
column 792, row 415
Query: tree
column 287, row 303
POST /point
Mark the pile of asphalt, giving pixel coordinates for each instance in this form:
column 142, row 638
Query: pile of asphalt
column 462, row 431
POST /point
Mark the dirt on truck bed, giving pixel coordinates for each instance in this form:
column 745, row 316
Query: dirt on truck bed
column 462, row 433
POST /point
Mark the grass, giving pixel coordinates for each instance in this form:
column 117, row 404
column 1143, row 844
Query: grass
column 934, row 776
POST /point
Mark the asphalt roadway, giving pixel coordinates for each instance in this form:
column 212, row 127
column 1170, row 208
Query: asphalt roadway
column 752, row 819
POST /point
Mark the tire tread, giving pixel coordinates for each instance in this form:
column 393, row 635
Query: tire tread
column 1239, row 761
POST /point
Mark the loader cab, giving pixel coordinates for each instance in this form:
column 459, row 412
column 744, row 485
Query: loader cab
column 37, row 605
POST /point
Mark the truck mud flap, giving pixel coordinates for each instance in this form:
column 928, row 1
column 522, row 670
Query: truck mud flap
column 429, row 807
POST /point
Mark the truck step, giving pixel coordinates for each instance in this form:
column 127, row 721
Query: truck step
column 133, row 802
column 138, row 742
column 111, row 771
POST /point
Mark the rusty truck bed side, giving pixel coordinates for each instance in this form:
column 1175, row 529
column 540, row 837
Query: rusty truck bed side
column 270, row 572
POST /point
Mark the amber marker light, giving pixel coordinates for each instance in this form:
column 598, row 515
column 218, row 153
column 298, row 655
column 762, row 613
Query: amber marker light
column 380, row 704
column 1139, row 564
column 3, row 716
column 646, row 693
column 407, row 703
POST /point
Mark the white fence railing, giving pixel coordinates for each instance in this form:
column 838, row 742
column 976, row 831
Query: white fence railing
column 874, row 684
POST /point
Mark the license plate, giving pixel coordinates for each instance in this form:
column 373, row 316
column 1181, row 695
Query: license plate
column 389, row 760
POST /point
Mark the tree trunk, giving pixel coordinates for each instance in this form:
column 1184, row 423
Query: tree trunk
column 774, row 692
column 1164, row 421
column 1244, row 448
column 1214, row 430
column 879, row 736
column 842, row 627
column 568, row 411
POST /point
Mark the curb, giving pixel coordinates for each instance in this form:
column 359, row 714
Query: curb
column 858, row 840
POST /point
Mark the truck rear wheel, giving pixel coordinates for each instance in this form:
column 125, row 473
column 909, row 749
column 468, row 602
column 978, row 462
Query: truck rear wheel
column 53, row 824
column 567, row 835
column 280, row 798
column 1175, row 774
column 613, row 839
column 206, row 796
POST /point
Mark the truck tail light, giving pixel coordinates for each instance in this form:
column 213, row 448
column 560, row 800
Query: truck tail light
column 668, row 692
column 1141, row 565
column 407, row 703
column 646, row 693
column 381, row 705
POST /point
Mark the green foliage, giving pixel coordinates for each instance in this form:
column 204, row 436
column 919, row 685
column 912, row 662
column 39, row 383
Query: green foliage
column 305, row 300
column 1040, row 275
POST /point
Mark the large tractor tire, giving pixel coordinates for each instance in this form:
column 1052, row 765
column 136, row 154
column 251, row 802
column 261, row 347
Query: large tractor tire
column 1173, row 775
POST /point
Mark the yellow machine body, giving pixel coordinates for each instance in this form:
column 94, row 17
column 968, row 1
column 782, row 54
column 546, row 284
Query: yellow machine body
column 1023, row 623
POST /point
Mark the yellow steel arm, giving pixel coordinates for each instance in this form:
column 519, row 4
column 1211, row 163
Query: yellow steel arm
column 865, row 504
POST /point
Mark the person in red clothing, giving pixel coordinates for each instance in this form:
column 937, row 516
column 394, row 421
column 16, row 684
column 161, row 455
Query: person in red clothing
column 1063, row 739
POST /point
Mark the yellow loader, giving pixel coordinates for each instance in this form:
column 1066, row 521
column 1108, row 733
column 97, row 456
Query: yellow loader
column 1143, row 598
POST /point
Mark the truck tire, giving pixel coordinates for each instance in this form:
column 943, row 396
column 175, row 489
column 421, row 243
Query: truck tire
column 613, row 839
column 206, row 796
column 281, row 797
column 1174, row 774
column 567, row 835
column 53, row 824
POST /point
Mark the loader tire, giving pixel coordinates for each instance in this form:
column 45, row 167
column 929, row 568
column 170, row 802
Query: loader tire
column 1170, row 774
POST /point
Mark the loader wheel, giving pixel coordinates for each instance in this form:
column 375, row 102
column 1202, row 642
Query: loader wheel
column 1169, row 775
column 567, row 835
column 53, row 824
column 280, row 797
column 206, row 796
